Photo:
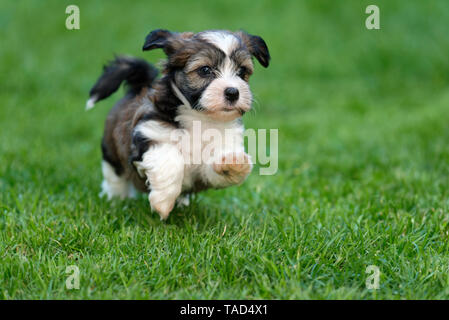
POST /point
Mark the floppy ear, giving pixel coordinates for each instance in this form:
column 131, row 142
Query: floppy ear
column 257, row 47
column 157, row 39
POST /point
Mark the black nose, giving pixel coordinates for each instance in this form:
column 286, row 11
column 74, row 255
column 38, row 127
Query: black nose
column 231, row 94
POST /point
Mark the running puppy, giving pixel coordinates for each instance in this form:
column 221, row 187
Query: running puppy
column 153, row 133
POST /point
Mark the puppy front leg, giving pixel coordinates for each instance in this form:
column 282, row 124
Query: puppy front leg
column 229, row 169
column 163, row 166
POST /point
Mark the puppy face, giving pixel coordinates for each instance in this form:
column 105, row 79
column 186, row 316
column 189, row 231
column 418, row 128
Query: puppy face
column 211, row 68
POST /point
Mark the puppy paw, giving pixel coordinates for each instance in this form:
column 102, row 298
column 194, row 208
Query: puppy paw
column 183, row 201
column 163, row 206
column 233, row 167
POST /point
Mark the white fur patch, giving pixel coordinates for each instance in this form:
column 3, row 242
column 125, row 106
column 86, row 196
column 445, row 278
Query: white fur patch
column 115, row 186
column 91, row 102
column 183, row 201
column 223, row 40
column 163, row 166
column 155, row 130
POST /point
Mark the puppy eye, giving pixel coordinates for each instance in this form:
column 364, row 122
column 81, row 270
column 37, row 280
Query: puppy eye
column 205, row 71
column 243, row 71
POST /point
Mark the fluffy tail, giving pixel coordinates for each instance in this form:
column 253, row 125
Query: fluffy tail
column 136, row 73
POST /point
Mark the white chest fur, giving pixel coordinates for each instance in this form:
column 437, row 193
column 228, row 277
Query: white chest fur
column 203, row 142
column 200, row 141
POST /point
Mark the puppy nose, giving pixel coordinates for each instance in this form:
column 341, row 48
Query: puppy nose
column 231, row 94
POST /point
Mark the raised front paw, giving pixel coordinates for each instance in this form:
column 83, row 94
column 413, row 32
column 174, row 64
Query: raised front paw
column 234, row 167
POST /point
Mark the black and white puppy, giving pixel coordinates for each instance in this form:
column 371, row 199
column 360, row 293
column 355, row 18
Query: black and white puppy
column 204, row 80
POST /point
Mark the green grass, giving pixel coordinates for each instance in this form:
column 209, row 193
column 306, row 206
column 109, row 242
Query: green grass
column 363, row 158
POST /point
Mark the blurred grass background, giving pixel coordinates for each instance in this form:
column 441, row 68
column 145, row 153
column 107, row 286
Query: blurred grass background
column 363, row 160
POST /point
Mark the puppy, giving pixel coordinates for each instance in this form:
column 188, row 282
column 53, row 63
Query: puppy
column 204, row 86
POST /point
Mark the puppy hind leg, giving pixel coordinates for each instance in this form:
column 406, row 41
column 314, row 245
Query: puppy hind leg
column 183, row 201
column 163, row 166
column 115, row 186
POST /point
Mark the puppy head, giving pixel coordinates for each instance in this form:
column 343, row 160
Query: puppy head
column 211, row 68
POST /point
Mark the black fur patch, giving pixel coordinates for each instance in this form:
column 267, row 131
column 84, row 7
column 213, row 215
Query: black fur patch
column 111, row 159
column 158, row 116
column 156, row 39
column 193, row 96
column 165, row 101
column 259, row 49
column 139, row 146
column 136, row 73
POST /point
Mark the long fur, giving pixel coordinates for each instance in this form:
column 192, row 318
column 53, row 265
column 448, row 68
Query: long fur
column 136, row 73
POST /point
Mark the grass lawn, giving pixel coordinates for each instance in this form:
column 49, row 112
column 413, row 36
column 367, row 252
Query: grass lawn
column 363, row 119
